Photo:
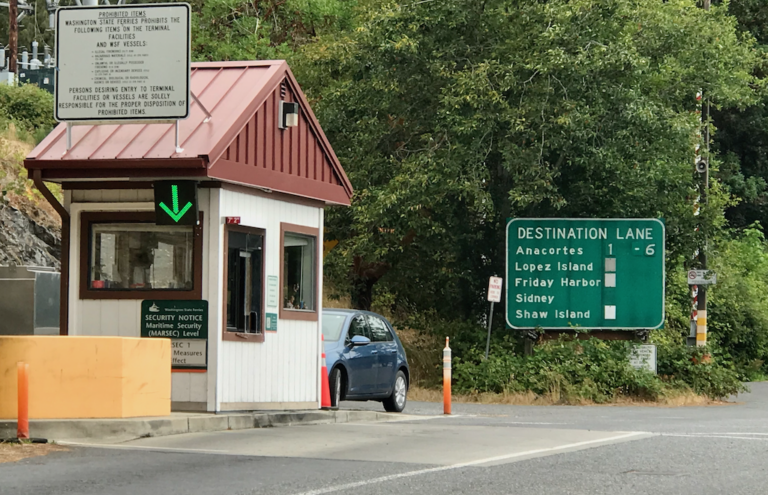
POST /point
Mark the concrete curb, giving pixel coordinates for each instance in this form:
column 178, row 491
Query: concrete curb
column 125, row 429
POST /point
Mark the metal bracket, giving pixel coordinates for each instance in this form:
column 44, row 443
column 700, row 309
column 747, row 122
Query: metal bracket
column 207, row 113
column 179, row 149
column 69, row 136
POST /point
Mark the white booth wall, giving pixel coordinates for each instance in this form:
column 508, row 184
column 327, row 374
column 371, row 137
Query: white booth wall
column 280, row 373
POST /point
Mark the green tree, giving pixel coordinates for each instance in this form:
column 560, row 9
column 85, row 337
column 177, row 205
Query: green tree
column 266, row 29
column 452, row 116
column 742, row 134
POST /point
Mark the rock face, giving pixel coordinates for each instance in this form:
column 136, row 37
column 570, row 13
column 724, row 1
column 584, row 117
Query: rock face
column 24, row 242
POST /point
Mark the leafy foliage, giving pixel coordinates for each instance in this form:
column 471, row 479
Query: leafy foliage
column 451, row 117
column 27, row 106
column 738, row 304
column 267, row 29
column 575, row 370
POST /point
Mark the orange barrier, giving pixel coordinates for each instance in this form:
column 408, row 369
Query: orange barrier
column 325, row 389
column 22, row 423
column 86, row 377
column 446, row 378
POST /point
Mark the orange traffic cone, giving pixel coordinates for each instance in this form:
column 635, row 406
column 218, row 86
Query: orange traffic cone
column 325, row 389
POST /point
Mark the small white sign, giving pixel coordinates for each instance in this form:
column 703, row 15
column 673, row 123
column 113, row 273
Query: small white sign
column 702, row 277
column 494, row 289
column 189, row 352
column 271, row 291
column 122, row 63
column 643, row 357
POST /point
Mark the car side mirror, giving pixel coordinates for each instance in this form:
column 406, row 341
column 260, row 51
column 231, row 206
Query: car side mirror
column 359, row 340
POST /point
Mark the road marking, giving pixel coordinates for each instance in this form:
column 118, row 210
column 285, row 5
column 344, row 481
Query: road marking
column 733, row 433
column 478, row 462
column 715, row 435
column 533, row 423
column 145, row 447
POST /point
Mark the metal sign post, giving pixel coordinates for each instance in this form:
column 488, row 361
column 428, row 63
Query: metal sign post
column 494, row 296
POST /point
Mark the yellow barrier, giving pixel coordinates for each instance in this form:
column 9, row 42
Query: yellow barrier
column 87, row 377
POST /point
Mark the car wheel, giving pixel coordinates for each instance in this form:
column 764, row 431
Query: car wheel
column 335, row 383
column 396, row 401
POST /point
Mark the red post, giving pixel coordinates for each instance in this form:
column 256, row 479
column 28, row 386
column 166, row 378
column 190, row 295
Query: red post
column 446, row 378
column 22, row 430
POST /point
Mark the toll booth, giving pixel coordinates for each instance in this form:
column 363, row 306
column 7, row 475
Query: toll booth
column 215, row 244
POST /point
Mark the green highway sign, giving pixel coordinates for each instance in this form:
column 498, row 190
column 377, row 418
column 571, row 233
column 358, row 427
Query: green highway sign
column 185, row 323
column 176, row 202
column 594, row 274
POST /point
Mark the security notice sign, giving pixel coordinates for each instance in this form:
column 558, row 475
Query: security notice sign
column 122, row 63
column 594, row 274
column 185, row 323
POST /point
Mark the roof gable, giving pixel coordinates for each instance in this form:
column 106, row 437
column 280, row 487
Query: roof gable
column 297, row 159
column 242, row 98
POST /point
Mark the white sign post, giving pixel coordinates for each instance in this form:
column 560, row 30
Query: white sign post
column 122, row 63
column 494, row 296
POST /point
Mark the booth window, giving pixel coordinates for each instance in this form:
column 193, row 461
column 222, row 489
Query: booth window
column 298, row 272
column 244, row 284
column 134, row 257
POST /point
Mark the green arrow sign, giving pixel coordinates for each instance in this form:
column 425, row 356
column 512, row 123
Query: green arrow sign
column 175, row 193
column 176, row 214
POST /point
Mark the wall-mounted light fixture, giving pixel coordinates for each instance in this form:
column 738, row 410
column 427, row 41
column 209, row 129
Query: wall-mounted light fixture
column 288, row 115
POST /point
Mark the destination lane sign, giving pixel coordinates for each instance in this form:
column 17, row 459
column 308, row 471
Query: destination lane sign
column 595, row 274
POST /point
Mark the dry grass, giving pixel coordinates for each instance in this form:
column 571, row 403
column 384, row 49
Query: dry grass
column 527, row 399
column 12, row 452
column 22, row 194
column 342, row 303
column 680, row 399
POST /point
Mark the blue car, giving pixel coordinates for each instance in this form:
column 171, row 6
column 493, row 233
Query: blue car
column 365, row 359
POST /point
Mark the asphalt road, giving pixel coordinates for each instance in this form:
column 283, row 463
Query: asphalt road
column 479, row 450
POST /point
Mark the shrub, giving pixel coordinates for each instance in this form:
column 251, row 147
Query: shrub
column 28, row 106
column 594, row 370
column 566, row 370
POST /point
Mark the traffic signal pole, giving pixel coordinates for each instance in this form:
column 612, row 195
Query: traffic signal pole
column 701, row 318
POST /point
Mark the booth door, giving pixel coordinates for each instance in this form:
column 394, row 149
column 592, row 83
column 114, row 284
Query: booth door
column 244, row 276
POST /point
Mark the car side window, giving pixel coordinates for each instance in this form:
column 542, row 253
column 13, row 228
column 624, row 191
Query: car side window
column 379, row 330
column 358, row 327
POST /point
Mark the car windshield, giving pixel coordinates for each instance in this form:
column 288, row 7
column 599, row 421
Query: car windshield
column 332, row 325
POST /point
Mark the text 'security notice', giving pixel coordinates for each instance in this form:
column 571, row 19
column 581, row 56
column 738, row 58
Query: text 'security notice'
column 126, row 62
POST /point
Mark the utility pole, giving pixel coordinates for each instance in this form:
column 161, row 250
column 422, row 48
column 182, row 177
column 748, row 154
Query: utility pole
column 701, row 318
column 13, row 35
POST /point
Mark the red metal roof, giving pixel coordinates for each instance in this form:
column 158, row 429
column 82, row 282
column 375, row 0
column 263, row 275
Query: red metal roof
column 241, row 143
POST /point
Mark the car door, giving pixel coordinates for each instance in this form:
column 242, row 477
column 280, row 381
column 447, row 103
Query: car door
column 361, row 360
column 387, row 350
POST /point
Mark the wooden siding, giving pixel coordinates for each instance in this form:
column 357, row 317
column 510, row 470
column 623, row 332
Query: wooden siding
column 293, row 152
column 284, row 368
column 120, row 317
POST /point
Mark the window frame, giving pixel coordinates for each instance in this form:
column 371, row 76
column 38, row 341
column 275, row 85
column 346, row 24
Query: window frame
column 88, row 218
column 299, row 314
column 243, row 336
